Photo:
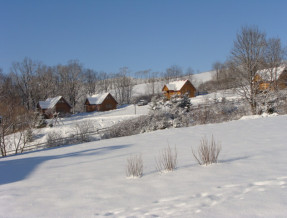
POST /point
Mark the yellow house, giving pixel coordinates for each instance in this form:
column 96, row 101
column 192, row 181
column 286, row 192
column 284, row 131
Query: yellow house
column 179, row 88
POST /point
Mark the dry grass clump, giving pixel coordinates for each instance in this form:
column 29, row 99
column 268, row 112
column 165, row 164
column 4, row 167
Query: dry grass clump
column 134, row 166
column 208, row 152
column 167, row 160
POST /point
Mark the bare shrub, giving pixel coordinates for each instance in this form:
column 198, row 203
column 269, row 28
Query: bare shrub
column 207, row 152
column 134, row 166
column 82, row 130
column 167, row 160
column 54, row 139
column 128, row 127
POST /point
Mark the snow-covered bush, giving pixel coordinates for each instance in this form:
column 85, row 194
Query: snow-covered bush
column 207, row 152
column 134, row 166
column 167, row 160
column 128, row 127
column 217, row 112
column 268, row 101
column 54, row 139
column 170, row 113
column 82, row 130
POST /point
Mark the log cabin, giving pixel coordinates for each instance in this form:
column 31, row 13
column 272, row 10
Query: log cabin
column 51, row 105
column 268, row 78
column 179, row 88
column 100, row 102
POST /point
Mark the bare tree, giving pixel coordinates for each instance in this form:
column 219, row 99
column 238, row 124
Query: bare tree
column 104, row 82
column 23, row 74
column 71, row 81
column 15, row 120
column 274, row 58
column 90, row 80
column 151, row 85
column 247, row 57
column 189, row 73
column 123, row 85
column 173, row 71
column 218, row 67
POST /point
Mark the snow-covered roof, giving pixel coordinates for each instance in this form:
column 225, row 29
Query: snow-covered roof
column 98, row 98
column 176, row 85
column 49, row 103
column 271, row 73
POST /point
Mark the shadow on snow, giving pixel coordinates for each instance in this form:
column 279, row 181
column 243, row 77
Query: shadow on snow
column 20, row 169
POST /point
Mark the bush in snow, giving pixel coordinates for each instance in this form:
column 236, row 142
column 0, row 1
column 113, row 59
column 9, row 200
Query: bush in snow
column 134, row 166
column 282, row 106
column 167, row 160
column 270, row 101
column 55, row 139
column 82, row 130
column 127, row 127
column 219, row 111
column 170, row 113
column 208, row 152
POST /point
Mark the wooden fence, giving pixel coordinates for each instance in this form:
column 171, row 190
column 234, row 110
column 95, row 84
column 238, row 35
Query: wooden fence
column 57, row 142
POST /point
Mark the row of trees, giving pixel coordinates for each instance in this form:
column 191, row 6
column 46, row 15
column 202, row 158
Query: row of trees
column 32, row 81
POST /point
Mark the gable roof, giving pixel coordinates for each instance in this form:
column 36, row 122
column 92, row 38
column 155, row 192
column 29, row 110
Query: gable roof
column 176, row 85
column 98, row 98
column 49, row 103
column 271, row 73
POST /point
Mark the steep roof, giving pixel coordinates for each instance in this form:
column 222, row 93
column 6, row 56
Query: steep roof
column 176, row 85
column 271, row 73
column 49, row 103
column 98, row 98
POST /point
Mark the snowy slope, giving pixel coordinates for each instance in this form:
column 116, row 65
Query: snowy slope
column 203, row 77
column 146, row 88
column 98, row 120
column 88, row 180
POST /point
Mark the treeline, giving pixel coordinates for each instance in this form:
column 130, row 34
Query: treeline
column 29, row 82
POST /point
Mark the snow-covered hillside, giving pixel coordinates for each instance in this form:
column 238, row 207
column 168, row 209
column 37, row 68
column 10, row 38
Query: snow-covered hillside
column 203, row 77
column 88, row 180
column 146, row 88
column 98, row 120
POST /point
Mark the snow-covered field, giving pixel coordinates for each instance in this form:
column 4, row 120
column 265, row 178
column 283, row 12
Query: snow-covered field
column 88, row 180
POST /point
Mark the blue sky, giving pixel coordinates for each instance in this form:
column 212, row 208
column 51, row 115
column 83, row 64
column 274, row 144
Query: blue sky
column 148, row 34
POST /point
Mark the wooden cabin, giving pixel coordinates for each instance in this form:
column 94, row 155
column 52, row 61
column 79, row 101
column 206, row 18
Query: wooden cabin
column 179, row 88
column 54, row 105
column 100, row 102
column 266, row 77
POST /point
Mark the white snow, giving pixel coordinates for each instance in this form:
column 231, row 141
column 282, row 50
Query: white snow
column 88, row 180
column 176, row 85
column 271, row 73
column 258, row 116
column 49, row 102
column 98, row 98
column 203, row 77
